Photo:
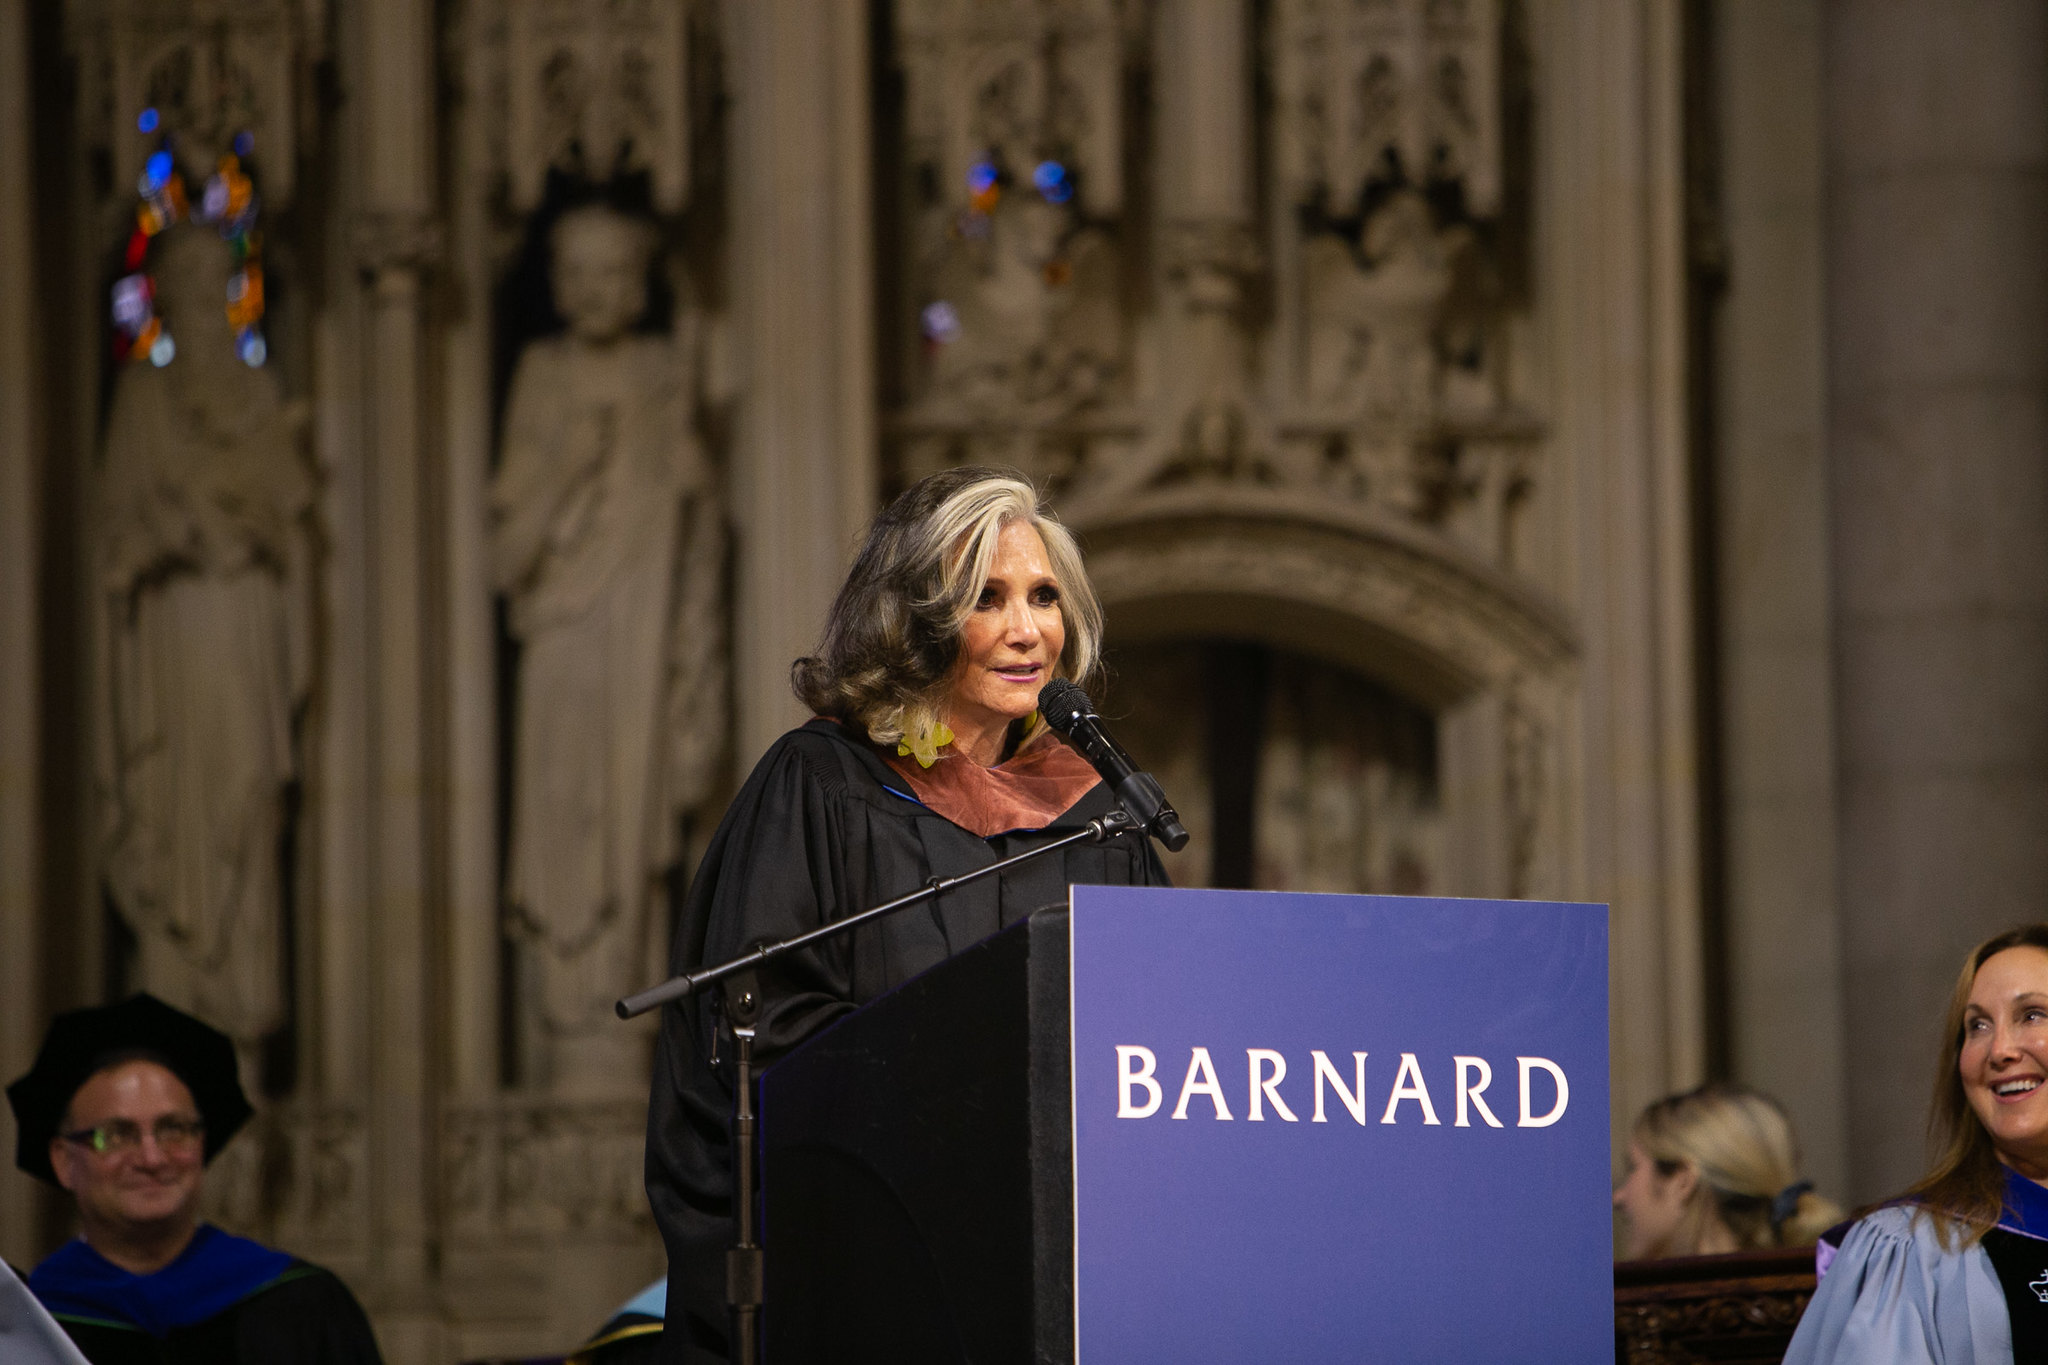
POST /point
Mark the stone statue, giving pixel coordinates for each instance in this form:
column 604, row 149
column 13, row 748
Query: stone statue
column 1373, row 325
column 204, row 552
column 1036, row 336
column 1346, row 788
column 606, row 542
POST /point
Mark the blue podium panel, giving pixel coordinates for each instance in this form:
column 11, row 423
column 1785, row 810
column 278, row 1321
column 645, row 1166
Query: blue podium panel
column 1339, row 1128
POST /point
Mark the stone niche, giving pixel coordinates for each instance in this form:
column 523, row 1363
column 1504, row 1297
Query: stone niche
column 589, row 213
column 1268, row 355
column 203, row 524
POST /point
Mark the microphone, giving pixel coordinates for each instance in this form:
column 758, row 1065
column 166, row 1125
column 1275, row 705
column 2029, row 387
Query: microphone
column 1066, row 708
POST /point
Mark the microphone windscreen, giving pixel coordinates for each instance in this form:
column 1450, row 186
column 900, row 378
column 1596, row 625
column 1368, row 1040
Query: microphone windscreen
column 1062, row 702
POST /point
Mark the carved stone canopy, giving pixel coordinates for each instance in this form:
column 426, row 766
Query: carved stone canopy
column 1019, row 80
column 211, row 69
column 597, row 88
column 1359, row 80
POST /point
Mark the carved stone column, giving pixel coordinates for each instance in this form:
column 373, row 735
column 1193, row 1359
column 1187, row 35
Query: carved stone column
column 1208, row 248
column 22, row 1006
column 804, row 462
column 1205, row 112
column 394, row 241
column 1771, row 566
column 473, row 944
column 1610, row 258
column 1937, row 343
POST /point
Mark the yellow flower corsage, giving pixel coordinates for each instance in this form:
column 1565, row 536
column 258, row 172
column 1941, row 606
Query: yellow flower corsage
column 924, row 743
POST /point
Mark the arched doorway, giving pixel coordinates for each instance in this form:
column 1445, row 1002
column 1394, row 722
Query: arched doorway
column 1292, row 773
column 1386, row 705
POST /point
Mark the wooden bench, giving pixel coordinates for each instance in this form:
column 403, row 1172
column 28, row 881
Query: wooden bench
column 1738, row 1309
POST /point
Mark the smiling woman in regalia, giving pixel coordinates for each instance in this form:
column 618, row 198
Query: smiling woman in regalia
column 1955, row 1271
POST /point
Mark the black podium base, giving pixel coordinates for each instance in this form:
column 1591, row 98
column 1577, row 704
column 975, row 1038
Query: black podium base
column 917, row 1173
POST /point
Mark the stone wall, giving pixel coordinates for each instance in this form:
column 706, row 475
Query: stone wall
column 1383, row 379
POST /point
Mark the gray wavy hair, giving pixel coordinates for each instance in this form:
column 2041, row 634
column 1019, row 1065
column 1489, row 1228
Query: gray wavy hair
column 893, row 633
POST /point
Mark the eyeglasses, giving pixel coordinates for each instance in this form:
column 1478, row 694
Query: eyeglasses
column 178, row 1137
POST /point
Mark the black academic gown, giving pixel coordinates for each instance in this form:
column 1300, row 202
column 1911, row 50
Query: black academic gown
column 821, row 830
column 304, row 1317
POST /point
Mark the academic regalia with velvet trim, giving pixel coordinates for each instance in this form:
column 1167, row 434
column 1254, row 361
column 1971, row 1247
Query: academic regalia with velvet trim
column 824, row 828
column 224, row 1301
column 1893, row 1295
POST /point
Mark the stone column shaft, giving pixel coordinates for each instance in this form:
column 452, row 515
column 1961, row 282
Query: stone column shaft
column 1610, row 252
column 396, row 241
column 1937, row 340
column 474, row 931
column 1205, row 125
column 22, row 1004
column 1206, row 250
column 804, row 476
column 1771, row 567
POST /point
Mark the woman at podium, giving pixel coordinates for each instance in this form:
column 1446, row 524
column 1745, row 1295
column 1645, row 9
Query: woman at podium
column 926, row 758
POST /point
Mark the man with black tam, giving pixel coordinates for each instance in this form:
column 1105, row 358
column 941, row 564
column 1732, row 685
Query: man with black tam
column 124, row 1107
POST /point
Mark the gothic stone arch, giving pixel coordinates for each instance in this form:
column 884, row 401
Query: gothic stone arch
column 1490, row 656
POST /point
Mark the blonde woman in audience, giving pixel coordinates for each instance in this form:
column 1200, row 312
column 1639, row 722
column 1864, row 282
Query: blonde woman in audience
column 1956, row 1268
column 1714, row 1170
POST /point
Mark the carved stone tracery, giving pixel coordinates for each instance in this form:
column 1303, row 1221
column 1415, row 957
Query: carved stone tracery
column 211, row 68
column 1387, row 138
column 1382, row 373
column 1411, row 80
column 526, row 1169
column 1336, row 359
column 598, row 90
column 1014, row 141
column 1018, row 81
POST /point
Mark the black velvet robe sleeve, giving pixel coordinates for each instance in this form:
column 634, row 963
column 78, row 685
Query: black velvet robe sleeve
column 306, row 1317
column 817, row 833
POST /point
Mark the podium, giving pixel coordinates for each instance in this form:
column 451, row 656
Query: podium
column 1206, row 1125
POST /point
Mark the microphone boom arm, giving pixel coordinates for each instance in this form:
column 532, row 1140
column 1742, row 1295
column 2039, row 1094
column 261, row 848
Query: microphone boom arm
column 1099, row 830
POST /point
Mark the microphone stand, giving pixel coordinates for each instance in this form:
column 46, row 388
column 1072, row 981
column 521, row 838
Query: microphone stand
column 740, row 998
column 745, row 1270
